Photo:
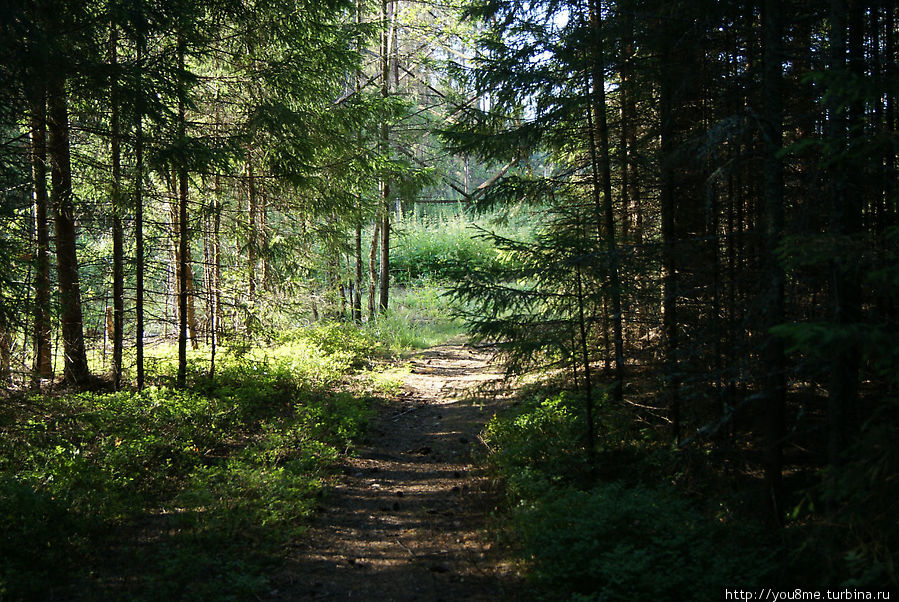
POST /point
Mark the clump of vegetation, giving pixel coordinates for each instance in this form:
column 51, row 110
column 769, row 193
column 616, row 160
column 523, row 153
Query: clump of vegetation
column 421, row 316
column 614, row 530
column 213, row 479
column 444, row 248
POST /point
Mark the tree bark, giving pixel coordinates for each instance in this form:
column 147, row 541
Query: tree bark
column 183, row 234
column 384, row 274
column 773, row 301
column 669, row 268
column 251, row 229
column 76, row 371
column 139, row 224
column 599, row 150
column 118, row 271
column 588, row 387
column 373, row 269
column 43, row 332
column 357, row 289
column 845, row 223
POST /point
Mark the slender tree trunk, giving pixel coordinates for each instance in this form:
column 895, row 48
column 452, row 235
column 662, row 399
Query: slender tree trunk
column 118, row 271
column 193, row 330
column 384, row 275
column 6, row 340
column 600, row 147
column 373, row 269
column 588, row 387
column 251, row 229
column 139, row 224
column 262, row 239
column 216, row 312
column 889, row 72
column 43, row 331
column 183, row 227
column 669, row 295
column 357, row 296
column 845, row 222
column 773, row 353
column 357, row 290
column 216, row 267
column 76, row 370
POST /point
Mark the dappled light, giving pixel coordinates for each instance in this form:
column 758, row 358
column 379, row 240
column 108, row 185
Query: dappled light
column 428, row 300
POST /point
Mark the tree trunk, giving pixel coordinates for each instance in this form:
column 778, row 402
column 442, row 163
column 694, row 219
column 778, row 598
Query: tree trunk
column 890, row 211
column 590, row 434
column 139, row 224
column 118, row 271
column 183, row 234
column 5, row 353
column 669, row 294
column 357, row 296
column 599, row 150
column 373, row 269
column 357, row 289
column 845, row 222
column 215, row 291
column 773, row 301
column 384, row 275
column 76, row 370
column 43, row 332
column 251, row 231
column 262, row 239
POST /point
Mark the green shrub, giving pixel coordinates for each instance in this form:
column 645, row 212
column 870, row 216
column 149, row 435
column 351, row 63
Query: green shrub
column 219, row 475
column 39, row 541
column 539, row 445
column 617, row 538
column 443, row 248
column 619, row 543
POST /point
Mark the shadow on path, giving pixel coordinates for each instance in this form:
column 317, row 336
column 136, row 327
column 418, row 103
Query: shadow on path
column 405, row 520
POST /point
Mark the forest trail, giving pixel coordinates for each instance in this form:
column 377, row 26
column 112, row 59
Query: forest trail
column 405, row 520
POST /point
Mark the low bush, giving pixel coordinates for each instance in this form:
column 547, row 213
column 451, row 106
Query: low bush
column 172, row 494
column 443, row 248
column 603, row 532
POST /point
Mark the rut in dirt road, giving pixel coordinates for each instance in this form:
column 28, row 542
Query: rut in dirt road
column 406, row 519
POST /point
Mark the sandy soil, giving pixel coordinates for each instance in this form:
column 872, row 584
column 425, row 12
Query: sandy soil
column 406, row 519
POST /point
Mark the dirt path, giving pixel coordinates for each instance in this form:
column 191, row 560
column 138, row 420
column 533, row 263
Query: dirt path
column 406, row 519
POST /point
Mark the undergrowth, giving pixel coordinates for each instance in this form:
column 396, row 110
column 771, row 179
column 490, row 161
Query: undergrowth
column 171, row 494
column 420, row 316
column 619, row 530
column 443, row 248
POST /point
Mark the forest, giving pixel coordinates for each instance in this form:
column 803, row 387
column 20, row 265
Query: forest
column 421, row 300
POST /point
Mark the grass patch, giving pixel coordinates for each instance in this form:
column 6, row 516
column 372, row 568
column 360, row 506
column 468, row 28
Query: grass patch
column 420, row 316
column 172, row 494
column 443, row 248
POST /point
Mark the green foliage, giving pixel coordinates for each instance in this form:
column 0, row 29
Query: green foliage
column 421, row 316
column 444, row 248
column 619, row 538
column 858, row 548
column 38, row 542
column 616, row 542
column 540, row 445
column 216, row 478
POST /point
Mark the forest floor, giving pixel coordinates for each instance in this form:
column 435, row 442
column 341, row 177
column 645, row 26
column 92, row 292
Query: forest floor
column 406, row 519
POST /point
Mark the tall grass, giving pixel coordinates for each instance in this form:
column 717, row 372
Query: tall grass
column 443, row 247
column 420, row 316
